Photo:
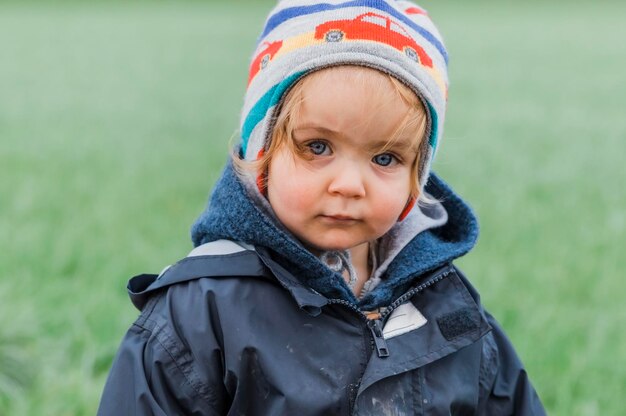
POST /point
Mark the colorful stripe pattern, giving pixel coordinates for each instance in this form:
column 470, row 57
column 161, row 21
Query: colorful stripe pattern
column 383, row 6
column 301, row 36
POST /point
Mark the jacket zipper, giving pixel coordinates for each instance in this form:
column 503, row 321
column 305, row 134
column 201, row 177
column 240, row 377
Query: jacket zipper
column 438, row 276
column 363, row 318
column 376, row 325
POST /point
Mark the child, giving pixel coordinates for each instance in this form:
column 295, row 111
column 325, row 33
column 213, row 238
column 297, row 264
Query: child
column 318, row 286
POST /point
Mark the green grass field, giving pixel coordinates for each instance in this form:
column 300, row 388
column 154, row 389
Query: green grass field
column 115, row 121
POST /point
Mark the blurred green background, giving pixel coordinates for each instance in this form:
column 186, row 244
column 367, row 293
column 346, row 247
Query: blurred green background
column 115, row 120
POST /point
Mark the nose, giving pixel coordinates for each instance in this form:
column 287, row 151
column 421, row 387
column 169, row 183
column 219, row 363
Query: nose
column 348, row 181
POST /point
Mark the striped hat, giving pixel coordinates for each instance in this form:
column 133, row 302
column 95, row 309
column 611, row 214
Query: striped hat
column 301, row 36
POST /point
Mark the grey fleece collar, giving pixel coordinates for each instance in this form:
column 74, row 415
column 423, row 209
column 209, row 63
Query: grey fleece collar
column 420, row 219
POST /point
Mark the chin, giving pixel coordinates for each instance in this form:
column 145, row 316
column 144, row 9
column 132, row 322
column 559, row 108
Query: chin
column 334, row 244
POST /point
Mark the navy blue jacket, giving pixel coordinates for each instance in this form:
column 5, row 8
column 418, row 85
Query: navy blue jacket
column 239, row 329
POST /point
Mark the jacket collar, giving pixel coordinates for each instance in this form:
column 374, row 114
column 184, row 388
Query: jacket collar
column 256, row 263
column 233, row 214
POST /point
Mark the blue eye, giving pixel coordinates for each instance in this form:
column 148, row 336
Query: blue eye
column 384, row 159
column 318, row 148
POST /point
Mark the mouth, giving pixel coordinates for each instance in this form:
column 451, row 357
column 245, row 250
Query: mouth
column 339, row 218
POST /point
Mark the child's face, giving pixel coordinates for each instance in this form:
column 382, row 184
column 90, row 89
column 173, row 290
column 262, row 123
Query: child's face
column 342, row 189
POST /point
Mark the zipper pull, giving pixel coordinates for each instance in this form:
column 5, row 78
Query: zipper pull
column 377, row 332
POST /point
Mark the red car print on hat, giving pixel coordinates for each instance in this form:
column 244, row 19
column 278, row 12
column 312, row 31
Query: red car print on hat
column 377, row 28
column 263, row 58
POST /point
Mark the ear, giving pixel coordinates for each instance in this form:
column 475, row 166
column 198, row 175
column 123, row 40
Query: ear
column 261, row 180
column 407, row 208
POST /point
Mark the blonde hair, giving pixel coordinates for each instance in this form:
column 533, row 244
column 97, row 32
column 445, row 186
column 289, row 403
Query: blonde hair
column 288, row 116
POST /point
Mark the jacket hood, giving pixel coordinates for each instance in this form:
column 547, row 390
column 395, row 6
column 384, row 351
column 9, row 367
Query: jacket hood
column 233, row 214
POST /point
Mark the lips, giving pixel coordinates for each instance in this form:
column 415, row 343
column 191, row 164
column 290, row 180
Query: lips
column 339, row 218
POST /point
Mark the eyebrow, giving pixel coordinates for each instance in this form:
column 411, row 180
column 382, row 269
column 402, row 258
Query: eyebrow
column 401, row 145
column 316, row 128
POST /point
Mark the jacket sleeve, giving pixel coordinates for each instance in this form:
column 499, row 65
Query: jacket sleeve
column 154, row 373
column 505, row 384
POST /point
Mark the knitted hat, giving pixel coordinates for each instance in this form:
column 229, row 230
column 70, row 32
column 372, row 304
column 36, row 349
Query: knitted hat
column 301, row 36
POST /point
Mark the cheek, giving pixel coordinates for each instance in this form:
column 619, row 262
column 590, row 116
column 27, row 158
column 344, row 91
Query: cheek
column 389, row 210
column 289, row 195
column 288, row 188
column 391, row 200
